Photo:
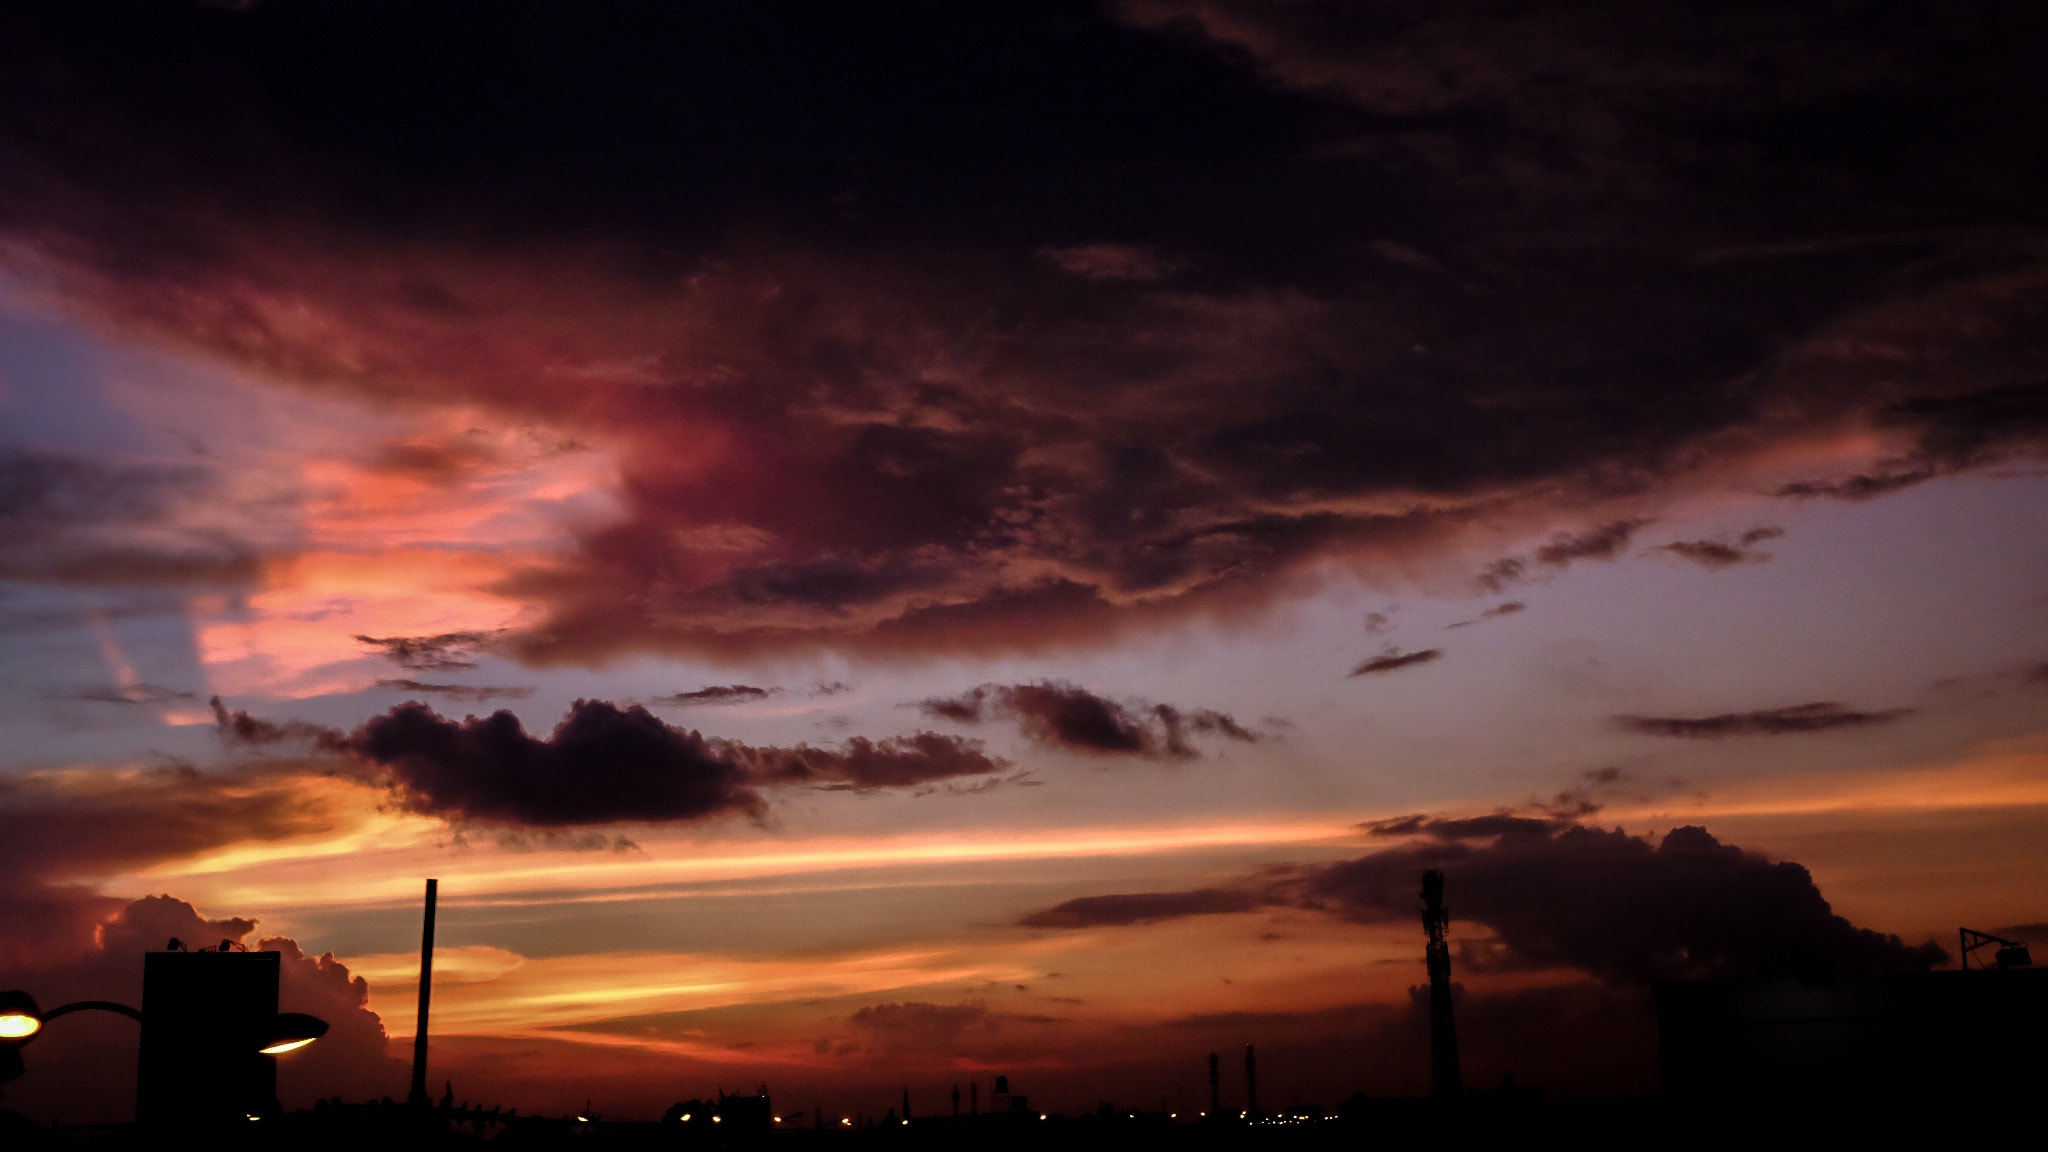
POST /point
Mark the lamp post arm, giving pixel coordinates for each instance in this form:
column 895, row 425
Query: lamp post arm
column 101, row 1005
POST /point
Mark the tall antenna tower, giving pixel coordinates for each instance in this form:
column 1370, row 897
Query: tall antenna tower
column 1444, row 1079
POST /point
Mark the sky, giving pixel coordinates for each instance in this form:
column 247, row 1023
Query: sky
column 872, row 547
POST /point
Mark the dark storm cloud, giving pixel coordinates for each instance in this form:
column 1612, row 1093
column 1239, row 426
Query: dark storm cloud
column 470, row 692
column 445, row 652
column 606, row 764
column 76, row 521
column 1068, row 716
column 1819, row 716
column 1558, row 894
column 719, row 694
column 931, row 326
column 1394, row 659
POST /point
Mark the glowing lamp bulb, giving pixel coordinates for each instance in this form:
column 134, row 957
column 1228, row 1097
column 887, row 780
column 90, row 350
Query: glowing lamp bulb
column 291, row 1031
column 20, row 1017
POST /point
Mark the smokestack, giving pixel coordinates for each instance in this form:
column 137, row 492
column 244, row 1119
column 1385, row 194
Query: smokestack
column 1215, row 1087
column 1444, row 1079
column 1251, row 1082
column 418, row 1098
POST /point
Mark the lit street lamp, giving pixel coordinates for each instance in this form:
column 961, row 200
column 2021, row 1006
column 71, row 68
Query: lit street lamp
column 207, row 1043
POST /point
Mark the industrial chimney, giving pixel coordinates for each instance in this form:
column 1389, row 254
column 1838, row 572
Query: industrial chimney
column 418, row 1097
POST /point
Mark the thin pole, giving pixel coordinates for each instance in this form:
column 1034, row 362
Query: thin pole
column 419, row 1036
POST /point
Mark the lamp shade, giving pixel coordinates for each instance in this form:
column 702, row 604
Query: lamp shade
column 292, row 1031
column 20, row 1018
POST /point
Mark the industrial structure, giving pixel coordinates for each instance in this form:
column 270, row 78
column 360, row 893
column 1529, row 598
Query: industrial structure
column 1445, row 1082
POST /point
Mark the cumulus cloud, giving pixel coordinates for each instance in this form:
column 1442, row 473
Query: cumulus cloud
column 1626, row 909
column 1063, row 715
column 1819, row 716
column 1160, row 364
column 600, row 764
column 1393, row 659
column 606, row 764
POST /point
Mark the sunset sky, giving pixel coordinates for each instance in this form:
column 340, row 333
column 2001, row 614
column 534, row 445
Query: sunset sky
column 885, row 544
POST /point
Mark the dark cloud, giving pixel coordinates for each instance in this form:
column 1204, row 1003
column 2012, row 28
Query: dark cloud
column 469, row 692
column 1721, row 554
column 601, row 764
column 1393, row 659
column 1559, row 894
column 1815, row 717
column 1859, row 486
column 1603, row 543
column 1494, row 613
column 69, row 520
column 916, row 1024
column 860, row 763
column 719, row 694
column 238, row 727
column 606, row 764
column 1500, row 824
column 1501, row 573
column 1142, row 907
column 936, row 327
column 446, row 652
column 1067, row 716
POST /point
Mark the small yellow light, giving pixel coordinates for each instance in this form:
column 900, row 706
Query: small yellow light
column 287, row 1046
column 686, row 1117
column 718, row 1119
column 19, row 1026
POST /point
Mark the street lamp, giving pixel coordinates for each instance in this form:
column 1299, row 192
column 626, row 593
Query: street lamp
column 211, row 1043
